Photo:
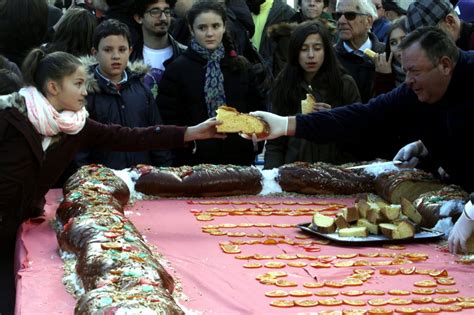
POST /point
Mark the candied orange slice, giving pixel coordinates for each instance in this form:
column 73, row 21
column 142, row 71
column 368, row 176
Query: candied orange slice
column 422, row 300
column 320, row 265
column 322, row 242
column 262, row 257
column 361, row 263
column 276, row 293
column 398, row 292
column 352, row 282
column 451, row 308
column 313, row 285
column 286, row 256
column 445, row 281
column 245, row 225
column 328, row 312
column 285, row 283
column 277, row 274
column 300, row 293
column 354, row 302
column 282, row 303
column 379, row 311
column 398, row 301
column 326, row 293
column 297, row 264
column 352, row 293
column 243, row 257
column 301, row 237
column 354, row 312
column 304, row 256
column 407, row 271
column 111, row 245
column 306, row 303
column 423, row 291
column 228, row 225
column 334, row 284
column 394, row 247
column 217, row 233
column 446, row 290
column 406, row 310
column 370, row 255
column 274, row 264
column 425, row 284
column 389, row 272
column 330, row 302
column 381, row 263
column 360, row 276
column 466, row 305
column 270, row 241
column 368, row 271
column 374, row 292
column 268, row 281
column 433, row 309
column 347, row 256
column 230, row 249
column 444, row 300
column 439, row 273
column 377, row 302
column 204, row 217
column 252, row 265
column 262, row 225
column 236, row 234
column 465, row 299
column 423, row 271
column 348, row 263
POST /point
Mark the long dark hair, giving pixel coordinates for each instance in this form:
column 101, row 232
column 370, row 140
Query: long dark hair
column 398, row 23
column 74, row 34
column 236, row 62
column 39, row 67
column 287, row 91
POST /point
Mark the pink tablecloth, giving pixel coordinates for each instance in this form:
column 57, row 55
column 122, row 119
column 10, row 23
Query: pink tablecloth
column 215, row 282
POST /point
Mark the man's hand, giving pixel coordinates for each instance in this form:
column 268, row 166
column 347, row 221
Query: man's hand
column 205, row 130
column 278, row 125
column 462, row 231
column 409, row 155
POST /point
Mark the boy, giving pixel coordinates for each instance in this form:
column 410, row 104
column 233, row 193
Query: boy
column 117, row 95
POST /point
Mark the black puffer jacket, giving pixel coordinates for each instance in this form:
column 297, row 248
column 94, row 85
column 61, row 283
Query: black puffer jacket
column 362, row 69
column 130, row 106
column 181, row 102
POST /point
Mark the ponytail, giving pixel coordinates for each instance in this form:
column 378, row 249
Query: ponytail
column 237, row 62
column 40, row 67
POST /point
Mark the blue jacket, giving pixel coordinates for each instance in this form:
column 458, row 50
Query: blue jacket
column 444, row 127
column 131, row 106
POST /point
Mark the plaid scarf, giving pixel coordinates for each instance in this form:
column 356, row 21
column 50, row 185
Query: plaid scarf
column 214, row 93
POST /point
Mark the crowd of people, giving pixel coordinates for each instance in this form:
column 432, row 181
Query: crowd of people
column 105, row 81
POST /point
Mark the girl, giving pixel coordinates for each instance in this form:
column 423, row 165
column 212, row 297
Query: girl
column 45, row 124
column 207, row 75
column 388, row 72
column 312, row 68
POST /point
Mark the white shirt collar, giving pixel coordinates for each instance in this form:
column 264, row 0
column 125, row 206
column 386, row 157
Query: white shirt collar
column 367, row 44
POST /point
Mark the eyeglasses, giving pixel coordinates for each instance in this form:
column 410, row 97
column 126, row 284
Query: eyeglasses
column 350, row 15
column 157, row 12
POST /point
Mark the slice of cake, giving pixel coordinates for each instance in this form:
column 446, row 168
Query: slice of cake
column 233, row 121
column 308, row 104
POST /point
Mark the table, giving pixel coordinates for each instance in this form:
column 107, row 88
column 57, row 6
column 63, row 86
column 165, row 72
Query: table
column 212, row 281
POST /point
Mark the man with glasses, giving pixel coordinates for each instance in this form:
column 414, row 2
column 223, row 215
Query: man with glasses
column 435, row 105
column 157, row 47
column 354, row 21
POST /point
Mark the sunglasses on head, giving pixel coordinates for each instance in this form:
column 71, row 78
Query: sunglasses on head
column 350, row 15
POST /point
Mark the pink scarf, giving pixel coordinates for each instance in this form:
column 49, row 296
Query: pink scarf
column 47, row 120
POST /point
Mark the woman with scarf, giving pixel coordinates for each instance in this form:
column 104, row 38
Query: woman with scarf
column 41, row 129
column 388, row 68
column 207, row 75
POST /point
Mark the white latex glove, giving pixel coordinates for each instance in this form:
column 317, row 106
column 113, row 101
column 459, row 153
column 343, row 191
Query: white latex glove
column 409, row 155
column 278, row 125
column 462, row 230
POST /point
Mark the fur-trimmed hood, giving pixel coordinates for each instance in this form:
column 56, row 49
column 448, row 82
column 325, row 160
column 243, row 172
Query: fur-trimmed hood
column 136, row 69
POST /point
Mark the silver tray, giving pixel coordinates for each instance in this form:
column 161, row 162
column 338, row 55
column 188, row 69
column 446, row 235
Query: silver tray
column 422, row 236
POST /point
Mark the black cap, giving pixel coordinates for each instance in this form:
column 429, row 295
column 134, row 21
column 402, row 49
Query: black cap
column 390, row 5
